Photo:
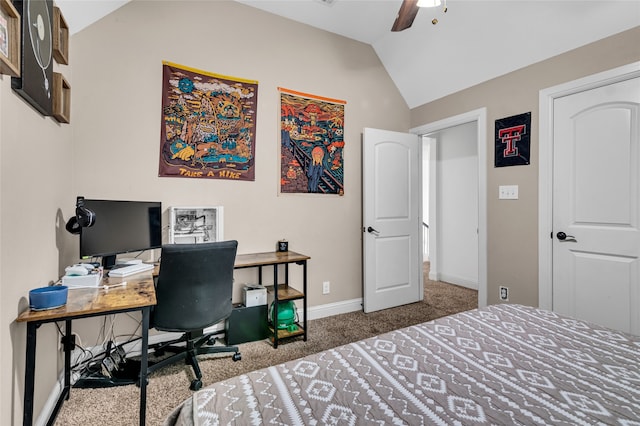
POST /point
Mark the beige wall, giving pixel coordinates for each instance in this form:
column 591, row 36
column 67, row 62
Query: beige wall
column 36, row 185
column 110, row 150
column 512, row 227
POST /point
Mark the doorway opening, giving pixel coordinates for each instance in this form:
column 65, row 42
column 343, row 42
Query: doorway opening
column 429, row 132
column 452, row 190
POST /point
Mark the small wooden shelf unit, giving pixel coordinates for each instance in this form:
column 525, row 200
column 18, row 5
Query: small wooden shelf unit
column 284, row 290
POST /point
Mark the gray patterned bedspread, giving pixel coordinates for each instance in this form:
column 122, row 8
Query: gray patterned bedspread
column 500, row 365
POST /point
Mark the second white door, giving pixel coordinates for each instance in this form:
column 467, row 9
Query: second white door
column 596, row 205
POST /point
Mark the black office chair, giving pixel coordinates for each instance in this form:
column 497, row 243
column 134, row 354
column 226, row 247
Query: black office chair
column 193, row 291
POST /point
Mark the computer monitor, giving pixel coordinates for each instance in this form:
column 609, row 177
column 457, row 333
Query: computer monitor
column 121, row 227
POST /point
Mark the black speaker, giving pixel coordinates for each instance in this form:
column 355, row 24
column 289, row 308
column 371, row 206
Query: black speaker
column 83, row 218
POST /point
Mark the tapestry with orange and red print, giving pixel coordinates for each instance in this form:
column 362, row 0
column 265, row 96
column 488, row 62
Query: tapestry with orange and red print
column 208, row 125
column 311, row 143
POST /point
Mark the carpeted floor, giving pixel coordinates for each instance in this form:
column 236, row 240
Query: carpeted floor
column 170, row 386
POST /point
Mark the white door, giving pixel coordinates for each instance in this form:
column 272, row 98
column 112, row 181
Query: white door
column 596, row 205
column 391, row 219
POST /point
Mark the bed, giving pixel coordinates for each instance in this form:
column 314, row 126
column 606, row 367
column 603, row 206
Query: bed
column 504, row 364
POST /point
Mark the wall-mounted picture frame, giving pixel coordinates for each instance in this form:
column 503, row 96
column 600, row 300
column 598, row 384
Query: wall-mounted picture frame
column 9, row 39
column 61, row 98
column 60, row 37
column 189, row 225
column 35, row 83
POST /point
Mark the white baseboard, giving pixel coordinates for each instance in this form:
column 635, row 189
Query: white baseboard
column 50, row 404
column 335, row 308
column 452, row 279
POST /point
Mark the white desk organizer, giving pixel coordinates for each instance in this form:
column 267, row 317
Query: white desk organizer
column 89, row 280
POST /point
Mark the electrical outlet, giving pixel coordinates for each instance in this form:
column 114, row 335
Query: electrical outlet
column 326, row 287
column 504, row 293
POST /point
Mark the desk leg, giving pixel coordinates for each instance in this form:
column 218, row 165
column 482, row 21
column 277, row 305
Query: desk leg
column 144, row 364
column 29, row 374
column 306, row 296
column 275, row 306
column 286, row 275
column 67, row 359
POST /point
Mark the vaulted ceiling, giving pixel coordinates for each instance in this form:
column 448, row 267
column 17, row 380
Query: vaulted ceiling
column 474, row 41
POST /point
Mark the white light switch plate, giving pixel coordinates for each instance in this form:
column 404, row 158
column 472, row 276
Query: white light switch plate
column 508, row 192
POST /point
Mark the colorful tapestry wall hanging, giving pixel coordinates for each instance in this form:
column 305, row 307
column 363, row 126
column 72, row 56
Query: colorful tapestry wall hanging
column 513, row 140
column 311, row 143
column 208, row 125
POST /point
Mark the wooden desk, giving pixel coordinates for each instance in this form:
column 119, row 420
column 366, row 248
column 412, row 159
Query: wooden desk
column 280, row 291
column 138, row 294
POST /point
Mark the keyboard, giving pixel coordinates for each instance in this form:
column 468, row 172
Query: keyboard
column 125, row 271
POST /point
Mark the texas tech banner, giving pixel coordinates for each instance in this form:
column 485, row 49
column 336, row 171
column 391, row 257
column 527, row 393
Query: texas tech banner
column 513, row 140
column 208, row 125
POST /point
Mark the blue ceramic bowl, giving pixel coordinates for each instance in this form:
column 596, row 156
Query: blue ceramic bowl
column 48, row 297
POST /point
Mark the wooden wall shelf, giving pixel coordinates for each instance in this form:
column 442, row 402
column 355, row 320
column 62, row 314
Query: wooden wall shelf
column 9, row 39
column 60, row 37
column 61, row 98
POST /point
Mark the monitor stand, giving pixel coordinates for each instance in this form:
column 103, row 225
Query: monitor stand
column 108, row 261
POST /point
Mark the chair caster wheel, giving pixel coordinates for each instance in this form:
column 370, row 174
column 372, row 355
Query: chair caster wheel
column 237, row 356
column 195, row 385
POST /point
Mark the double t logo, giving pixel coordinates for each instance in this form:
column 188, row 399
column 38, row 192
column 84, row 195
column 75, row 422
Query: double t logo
column 510, row 136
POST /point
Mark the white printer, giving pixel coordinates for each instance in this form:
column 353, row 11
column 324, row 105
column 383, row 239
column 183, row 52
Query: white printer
column 254, row 295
